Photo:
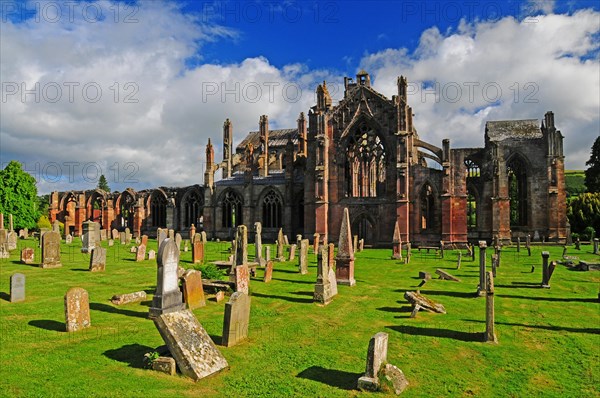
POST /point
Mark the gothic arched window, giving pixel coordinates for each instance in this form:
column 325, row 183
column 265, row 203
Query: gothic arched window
column 365, row 164
column 517, row 191
column 158, row 210
column 427, row 208
column 126, row 209
column 271, row 210
column 473, row 173
column 232, row 210
column 192, row 209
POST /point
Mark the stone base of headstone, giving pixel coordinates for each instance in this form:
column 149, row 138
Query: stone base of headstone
column 195, row 353
column 166, row 304
column 344, row 272
column 368, row 384
column 165, row 365
column 323, row 294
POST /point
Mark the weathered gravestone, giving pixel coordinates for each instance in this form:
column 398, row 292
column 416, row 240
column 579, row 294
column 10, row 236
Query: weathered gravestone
column 377, row 366
column 151, row 255
column 56, row 226
column 178, row 240
column 167, row 296
column 98, row 259
column 577, row 244
column 344, row 271
column 279, row 251
column 303, row 257
column 11, row 240
column 481, row 287
column 547, row 270
column 316, row 241
column 420, row 302
column 128, row 236
column 69, row 239
column 88, row 238
column 331, row 264
column 267, row 253
column 140, row 254
column 27, row 255
column 193, row 349
column 4, row 253
column 17, row 287
column 120, row 299
column 77, row 309
column 192, row 232
column 198, row 250
column 258, row 244
column 596, row 246
column 51, row 250
column 268, row 272
column 355, row 243
column 242, row 278
column 518, row 244
column 298, row 239
column 323, row 288
column 458, row 260
column 193, row 292
column 144, row 240
column 408, row 253
column 292, row 252
column 161, row 235
column 172, row 234
column 361, row 245
column 285, row 240
column 103, row 235
column 115, row 234
column 490, row 334
column 236, row 319
column 122, row 239
column 446, row 276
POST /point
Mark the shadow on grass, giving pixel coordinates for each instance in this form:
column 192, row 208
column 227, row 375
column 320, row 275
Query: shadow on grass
column 216, row 339
column 545, row 327
column 113, row 310
column 80, row 269
column 522, row 285
column 292, row 281
column 406, row 308
column 334, row 378
column 131, row 354
column 4, row 296
column 310, row 294
column 287, row 271
column 558, row 299
column 48, row 324
column 437, row 332
column 286, row 298
column 450, row 294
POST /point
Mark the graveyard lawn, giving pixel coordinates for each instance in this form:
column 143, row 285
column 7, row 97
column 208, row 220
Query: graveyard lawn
column 548, row 338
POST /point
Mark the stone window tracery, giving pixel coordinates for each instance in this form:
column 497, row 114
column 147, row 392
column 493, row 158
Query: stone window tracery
column 365, row 164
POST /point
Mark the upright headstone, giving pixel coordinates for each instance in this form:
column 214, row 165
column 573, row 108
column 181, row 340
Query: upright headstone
column 397, row 243
column 140, row 254
column 355, row 243
column 242, row 245
column 303, row 257
column 458, row 260
column 151, row 255
column 481, row 287
column 236, row 319
column 316, row 241
column 298, row 239
column 167, row 296
column 77, row 309
column 144, row 240
column 577, row 244
column 27, row 255
column 547, row 269
column 192, row 232
column 285, row 240
column 161, row 235
column 11, row 240
column 596, row 246
column 111, row 243
column 408, row 252
column 178, row 240
column 103, row 235
column 198, row 250
column 115, row 234
column 51, row 250
column 344, row 271
column 98, row 259
column 56, row 226
column 193, row 292
column 292, row 252
column 122, row 239
column 442, row 248
column 279, row 251
column 88, row 238
column 528, row 244
column 17, row 287
column 361, row 244
column 323, row 294
column 203, row 236
column 10, row 223
column 172, row 234
column 331, row 264
column 536, row 236
column 518, row 244
column 4, row 253
column 267, row 253
column 490, row 334
column 242, row 278
column 268, row 271
column 376, row 358
column 258, row 244
column 69, row 239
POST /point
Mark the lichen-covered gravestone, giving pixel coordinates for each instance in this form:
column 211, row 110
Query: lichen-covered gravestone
column 27, row 255
column 140, row 253
column 303, row 257
column 98, row 259
column 268, row 272
column 236, row 319
column 88, row 238
column 77, row 309
column 51, row 250
column 344, row 271
column 198, row 250
column 17, row 287
column 377, row 366
column 323, row 288
column 193, row 292
column 292, row 252
column 242, row 278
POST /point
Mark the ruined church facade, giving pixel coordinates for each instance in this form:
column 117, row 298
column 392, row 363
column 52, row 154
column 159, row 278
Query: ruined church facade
column 364, row 154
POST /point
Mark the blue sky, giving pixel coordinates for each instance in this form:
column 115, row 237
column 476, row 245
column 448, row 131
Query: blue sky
column 135, row 89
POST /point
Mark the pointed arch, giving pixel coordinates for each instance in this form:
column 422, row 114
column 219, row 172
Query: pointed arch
column 427, row 208
column 125, row 206
column 192, row 204
column 362, row 225
column 231, row 206
column 271, row 205
column 158, row 208
column 516, row 172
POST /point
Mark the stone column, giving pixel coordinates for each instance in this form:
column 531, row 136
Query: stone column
column 545, row 273
column 490, row 335
column 481, row 288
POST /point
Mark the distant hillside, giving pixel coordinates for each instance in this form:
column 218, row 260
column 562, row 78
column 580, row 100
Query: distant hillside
column 574, row 180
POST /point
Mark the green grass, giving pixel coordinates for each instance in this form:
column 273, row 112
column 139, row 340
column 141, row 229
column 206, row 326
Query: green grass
column 549, row 340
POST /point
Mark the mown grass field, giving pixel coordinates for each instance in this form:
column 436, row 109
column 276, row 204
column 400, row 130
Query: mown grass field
column 549, row 339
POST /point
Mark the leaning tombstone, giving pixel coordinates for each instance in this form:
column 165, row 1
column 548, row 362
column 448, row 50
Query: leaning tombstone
column 377, row 366
column 51, row 250
column 236, row 319
column 77, row 309
column 98, row 259
column 193, row 291
column 27, row 255
column 292, row 252
column 17, row 287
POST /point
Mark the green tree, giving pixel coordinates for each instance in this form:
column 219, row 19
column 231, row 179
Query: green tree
column 592, row 174
column 18, row 195
column 584, row 212
column 103, row 184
